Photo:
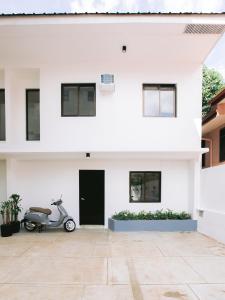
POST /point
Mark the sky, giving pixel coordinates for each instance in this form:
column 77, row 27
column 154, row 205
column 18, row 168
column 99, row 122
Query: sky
column 215, row 60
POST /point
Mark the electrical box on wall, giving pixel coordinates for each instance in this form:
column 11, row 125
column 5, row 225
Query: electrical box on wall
column 107, row 83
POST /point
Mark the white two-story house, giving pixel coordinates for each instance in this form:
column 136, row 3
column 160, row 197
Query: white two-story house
column 104, row 109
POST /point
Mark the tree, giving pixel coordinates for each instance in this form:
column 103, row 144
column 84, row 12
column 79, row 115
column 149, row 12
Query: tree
column 212, row 83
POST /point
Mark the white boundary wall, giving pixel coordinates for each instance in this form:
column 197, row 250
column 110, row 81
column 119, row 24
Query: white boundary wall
column 212, row 221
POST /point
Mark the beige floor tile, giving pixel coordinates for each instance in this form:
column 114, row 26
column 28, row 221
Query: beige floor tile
column 182, row 238
column 212, row 269
column 110, row 292
column 60, row 271
column 61, row 249
column 8, row 265
column 59, row 264
column 209, row 291
column 118, row 271
column 156, row 270
column 134, row 249
column 190, row 249
column 26, row 292
column 167, row 292
column 14, row 249
column 133, row 237
column 165, row 270
column 101, row 250
column 28, row 237
column 84, row 235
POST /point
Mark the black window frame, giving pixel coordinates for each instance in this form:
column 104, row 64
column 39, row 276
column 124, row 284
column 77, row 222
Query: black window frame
column 221, row 153
column 27, row 133
column 161, row 85
column 79, row 85
column 160, row 186
column 3, row 140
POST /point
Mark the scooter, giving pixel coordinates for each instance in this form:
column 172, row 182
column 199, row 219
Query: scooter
column 38, row 218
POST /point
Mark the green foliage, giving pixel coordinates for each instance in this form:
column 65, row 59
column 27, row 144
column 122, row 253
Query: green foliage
column 157, row 215
column 15, row 206
column 212, row 83
column 6, row 211
column 9, row 209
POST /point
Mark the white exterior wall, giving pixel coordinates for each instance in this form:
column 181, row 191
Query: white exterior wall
column 119, row 124
column 212, row 221
column 3, row 191
column 39, row 181
column 46, row 52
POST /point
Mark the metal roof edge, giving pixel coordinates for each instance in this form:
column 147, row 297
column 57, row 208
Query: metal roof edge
column 106, row 14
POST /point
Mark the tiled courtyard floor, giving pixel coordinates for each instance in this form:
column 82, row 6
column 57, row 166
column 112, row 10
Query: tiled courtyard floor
column 91, row 264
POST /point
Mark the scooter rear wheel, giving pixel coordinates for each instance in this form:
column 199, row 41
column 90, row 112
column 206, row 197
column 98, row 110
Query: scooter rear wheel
column 29, row 226
column 69, row 225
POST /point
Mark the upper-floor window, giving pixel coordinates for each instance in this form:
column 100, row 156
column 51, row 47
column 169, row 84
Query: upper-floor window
column 145, row 186
column 2, row 115
column 78, row 100
column 222, row 144
column 159, row 100
column 33, row 114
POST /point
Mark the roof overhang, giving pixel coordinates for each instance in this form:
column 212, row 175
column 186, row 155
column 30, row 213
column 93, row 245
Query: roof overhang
column 147, row 17
column 48, row 38
column 214, row 123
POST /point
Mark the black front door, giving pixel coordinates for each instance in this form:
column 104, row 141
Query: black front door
column 92, row 192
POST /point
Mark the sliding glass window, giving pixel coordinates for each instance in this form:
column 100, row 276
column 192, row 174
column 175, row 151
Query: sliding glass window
column 78, row 100
column 2, row 115
column 145, row 186
column 33, row 115
column 159, row 100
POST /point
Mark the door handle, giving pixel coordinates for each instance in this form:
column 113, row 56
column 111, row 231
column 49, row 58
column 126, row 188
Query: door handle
column 83, row 199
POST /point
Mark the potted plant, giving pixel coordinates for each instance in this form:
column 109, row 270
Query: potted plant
column 6, row 227
column 15, row 209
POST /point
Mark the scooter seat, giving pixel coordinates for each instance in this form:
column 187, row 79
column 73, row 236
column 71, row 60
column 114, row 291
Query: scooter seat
column 46, row 211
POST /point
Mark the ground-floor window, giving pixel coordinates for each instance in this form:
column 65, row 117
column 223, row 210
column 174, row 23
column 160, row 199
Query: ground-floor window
column 145, row 186
column 203, row 155
column 222, row 145
column 2, row 115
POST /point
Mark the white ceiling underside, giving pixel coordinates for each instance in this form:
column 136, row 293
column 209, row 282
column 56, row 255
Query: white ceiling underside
column 73, row 43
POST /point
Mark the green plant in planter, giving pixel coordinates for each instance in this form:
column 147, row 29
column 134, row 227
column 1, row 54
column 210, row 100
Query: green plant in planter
column 7, row 211
column 2, row 212
column 6, row 227
column 16, row 206
column 157, row 215
column 15, row 209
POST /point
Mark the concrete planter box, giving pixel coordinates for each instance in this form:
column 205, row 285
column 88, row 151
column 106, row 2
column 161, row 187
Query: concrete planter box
column 152, row 225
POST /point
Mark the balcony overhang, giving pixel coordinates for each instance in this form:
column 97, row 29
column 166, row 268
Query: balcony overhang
column 97, row 155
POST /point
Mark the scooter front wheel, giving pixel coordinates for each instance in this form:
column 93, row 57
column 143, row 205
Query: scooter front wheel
column 29, row 226
column 69, row 225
